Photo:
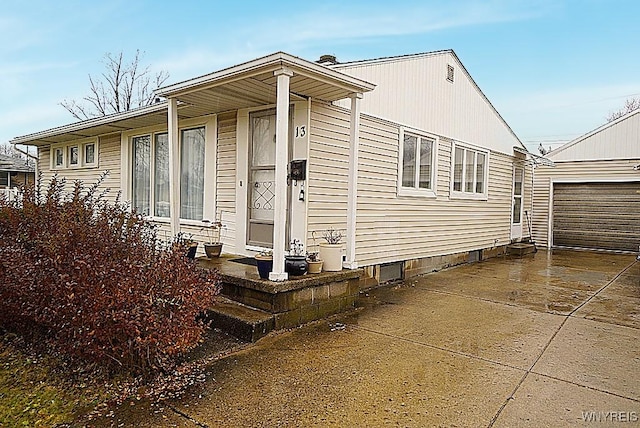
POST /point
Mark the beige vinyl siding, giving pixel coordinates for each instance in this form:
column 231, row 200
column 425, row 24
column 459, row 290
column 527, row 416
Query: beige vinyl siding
column 576, row 171
column 226, row 178
column 108, row 160
column 414, row 91
column 328, row 170
column 392, row 228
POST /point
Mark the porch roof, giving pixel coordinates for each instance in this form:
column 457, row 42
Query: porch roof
column 250, row 84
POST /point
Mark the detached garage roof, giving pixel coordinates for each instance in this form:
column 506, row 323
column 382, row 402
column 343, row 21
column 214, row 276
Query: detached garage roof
column 619, row 139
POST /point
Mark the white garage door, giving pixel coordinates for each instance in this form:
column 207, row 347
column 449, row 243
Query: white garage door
column 597, row 215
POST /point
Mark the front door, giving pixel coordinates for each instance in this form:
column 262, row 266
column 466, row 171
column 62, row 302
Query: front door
column 516, row 211
column 262, row 169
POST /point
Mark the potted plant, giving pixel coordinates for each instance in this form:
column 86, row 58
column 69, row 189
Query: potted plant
column 213, row 247
column 264, row 261
column 314, row 262
column 189, row 245
column 331, row 250
column 296, row 262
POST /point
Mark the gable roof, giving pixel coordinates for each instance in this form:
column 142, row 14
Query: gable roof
column 390, row 59
column 12, row 164
column 619, row 139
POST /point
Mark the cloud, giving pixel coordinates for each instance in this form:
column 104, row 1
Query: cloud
column 347, row 21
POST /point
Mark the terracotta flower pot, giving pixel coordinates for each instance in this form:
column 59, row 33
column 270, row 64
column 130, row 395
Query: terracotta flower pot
column 315, row 266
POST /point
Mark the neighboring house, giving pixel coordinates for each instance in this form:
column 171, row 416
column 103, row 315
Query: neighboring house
column 406, row 156
column 15, row 172
column 591, row 198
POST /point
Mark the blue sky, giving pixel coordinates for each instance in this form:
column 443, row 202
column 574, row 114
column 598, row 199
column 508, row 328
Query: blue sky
column 553, row 69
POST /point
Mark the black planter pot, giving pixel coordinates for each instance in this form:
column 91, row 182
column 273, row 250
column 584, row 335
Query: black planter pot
column 295, row 265
column 191, row 251
column 265, row 266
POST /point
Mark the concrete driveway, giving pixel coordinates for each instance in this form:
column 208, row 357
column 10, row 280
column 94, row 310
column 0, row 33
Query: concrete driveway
column 548, row 340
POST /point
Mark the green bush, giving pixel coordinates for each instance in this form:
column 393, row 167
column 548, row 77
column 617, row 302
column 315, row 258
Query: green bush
column 94, row 280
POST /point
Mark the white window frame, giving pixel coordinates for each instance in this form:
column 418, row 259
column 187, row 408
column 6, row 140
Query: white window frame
column 462, row 194
column 417, row 191
column 210, row 124
column 66, row 156
column 83, row 154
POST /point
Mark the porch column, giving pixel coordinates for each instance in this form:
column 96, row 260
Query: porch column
column 352, row 196
column 174, row 167
column 281, row 188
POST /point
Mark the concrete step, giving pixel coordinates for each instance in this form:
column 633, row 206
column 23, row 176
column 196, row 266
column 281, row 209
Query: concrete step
column 244, row 322
column 520, row 249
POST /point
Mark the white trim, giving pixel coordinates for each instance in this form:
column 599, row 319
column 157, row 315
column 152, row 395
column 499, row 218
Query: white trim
column 283, row 76
column 461, row 194
column 415, row 191
column 276, row 61
column 66, row 148
column 79, row 126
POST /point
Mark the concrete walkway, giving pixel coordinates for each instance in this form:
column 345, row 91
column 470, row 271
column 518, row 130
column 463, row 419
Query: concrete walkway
column 548, row 340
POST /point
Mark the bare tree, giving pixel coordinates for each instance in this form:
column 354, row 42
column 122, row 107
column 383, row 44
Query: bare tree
column 122, row 87
column 630, row 105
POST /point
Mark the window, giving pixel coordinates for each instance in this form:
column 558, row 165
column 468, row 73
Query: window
column 75, row 155
column 141, row 174
column 469, row 172
column 417, row 166
column 161, row 175
column 192, row 174
column 151, row 171
column 90, row 153
column 58, row 156
column 4, row 178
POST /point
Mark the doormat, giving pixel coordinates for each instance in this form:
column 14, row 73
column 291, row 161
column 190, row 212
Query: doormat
column 245, row 261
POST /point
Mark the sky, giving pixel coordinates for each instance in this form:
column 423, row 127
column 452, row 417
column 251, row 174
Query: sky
column 553, row 69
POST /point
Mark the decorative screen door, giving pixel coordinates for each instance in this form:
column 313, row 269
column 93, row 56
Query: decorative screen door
column 262, row 158
column 516, row 213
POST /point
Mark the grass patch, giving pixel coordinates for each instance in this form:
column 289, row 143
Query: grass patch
column 35, row 391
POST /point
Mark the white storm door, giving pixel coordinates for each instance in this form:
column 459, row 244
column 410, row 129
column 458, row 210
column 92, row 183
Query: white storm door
column 516, row 210
column 261, row 197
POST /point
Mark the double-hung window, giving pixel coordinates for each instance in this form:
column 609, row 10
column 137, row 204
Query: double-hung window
column 470, row 166
column 417, row 166
column 150, row 175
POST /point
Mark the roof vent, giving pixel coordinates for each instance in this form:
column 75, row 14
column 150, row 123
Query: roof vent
column 327, row 60
column 450, row 71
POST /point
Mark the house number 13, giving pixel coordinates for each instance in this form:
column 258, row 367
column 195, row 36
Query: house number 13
column 301, row 131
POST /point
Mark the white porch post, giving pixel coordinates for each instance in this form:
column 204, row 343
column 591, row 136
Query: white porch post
column 174, row 167
column 352, row 197
column 280, row 205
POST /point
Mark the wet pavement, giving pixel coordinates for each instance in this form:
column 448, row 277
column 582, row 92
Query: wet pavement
column 552, row 339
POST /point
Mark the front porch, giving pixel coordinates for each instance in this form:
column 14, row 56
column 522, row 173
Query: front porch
column 251, row 307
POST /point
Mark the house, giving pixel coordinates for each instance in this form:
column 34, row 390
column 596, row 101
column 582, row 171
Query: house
column 405, row 155
column 591, row 198
column 15, row 172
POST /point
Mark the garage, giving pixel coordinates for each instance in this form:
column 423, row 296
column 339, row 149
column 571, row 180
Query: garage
column 597, row 215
